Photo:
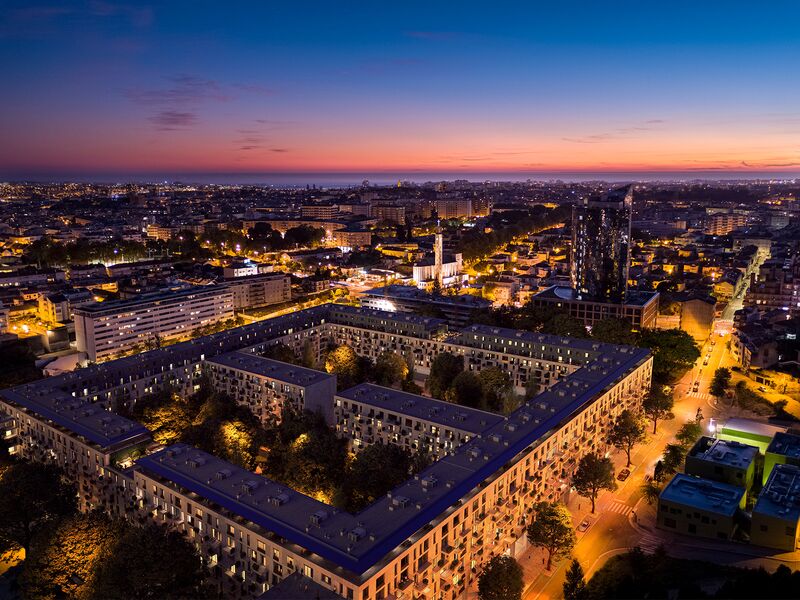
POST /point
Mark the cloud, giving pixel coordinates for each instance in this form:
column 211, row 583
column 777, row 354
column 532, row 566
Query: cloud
column 765, row 165
column 616, row 134
column 171, row 120
column 183, row 89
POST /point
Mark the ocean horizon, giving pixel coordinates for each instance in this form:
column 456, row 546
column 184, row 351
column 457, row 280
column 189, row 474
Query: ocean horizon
column 383, row 178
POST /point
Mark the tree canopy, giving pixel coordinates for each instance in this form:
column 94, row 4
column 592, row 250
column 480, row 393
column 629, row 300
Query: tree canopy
column 552, row 530
column 574, row 587
column 444, row 369
column 626, row 432
column 33, row 496
column 658, row 405
column 465, row 390
column 501, row 579
column 594, row 473
column 720, row 382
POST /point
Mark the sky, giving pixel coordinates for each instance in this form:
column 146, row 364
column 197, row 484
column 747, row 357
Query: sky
column 99, row 87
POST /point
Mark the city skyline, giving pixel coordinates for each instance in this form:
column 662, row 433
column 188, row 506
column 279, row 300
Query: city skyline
column 106, row 91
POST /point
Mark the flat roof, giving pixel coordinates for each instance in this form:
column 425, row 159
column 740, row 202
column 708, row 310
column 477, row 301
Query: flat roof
column 780, row 497
column 298, row 587
column 420, row 407
column 147, row 298
column 267, row 367
column 79, row 415
column 707, row 495
column 723, row 452
column 755, row 428
column 405, row 292
column 786, row 444
column 558, row 292
column 397, row 317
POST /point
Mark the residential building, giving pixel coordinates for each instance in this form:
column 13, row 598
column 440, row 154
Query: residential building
column 389, row 212
column 254, row 291
column 601, row 232
column 58, row 307
column 722, row 223
column 267, row 386
column 105, row 329
column 368, row 414
column 457, row 310
column 453, row 208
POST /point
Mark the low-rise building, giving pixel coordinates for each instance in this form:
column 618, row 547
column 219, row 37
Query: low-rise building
column 699, row 507
column 724, row 461
column 784, row 449
column 640, row 308
column 752, row 433
column 776, row 515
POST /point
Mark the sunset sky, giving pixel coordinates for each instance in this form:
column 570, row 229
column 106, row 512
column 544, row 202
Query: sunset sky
column 113, row 87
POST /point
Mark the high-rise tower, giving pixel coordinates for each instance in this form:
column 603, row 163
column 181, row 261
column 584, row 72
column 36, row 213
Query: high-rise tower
column 601, row 235
column 438, row 253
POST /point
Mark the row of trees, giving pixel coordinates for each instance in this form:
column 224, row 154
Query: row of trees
column 88, row 556
column 674, row 351
column 475, row 245
column 673, row 458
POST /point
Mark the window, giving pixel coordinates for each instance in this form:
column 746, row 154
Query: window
column 668, row 522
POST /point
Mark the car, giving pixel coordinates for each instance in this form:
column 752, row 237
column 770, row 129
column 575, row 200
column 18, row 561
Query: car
column 761, row 388
column 696, row 386
column 623, row 475
column 584, row 525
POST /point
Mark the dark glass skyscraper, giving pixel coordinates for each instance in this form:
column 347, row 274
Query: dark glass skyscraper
column 601, row 233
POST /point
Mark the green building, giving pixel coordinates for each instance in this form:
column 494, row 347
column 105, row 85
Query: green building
column 777, row 512
column 784, row 450
column 749, row 432
column 724, row 461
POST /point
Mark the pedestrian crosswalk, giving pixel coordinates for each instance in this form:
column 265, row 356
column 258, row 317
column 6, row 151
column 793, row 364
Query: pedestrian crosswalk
column 619, row 508
column 649, row 542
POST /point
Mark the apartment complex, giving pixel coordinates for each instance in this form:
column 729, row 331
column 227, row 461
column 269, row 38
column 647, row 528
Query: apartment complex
column 105, row 329
column 426, row 538
column 724, row 461
column 725, row 222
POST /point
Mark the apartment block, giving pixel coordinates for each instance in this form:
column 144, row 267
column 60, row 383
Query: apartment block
column 784, row 449
column 105, row 329
column 267, row 386
column 368, row 414
column 253, row 291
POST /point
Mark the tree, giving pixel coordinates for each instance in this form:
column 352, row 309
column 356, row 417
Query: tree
column 444, row 369
column 651, row 490
column 614, row 331
column 674, row 353
column 497, row 387
column 574, row 584
column 721, row 382
column 688, row 434
column 309, row 358
column 465, row 390
column 594, row 473
column 64, row 558
column 658, row 406
column 626, row 432
column 552, row 530
column 150, row 562
column 390, row 369
column 501, row 579
column 564, row 324
column 377, row 469
column 32, row 497
column 345, row 364
column 673, row 458
column 281, row 352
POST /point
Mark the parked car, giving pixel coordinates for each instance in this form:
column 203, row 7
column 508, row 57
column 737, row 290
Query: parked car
column 584, row 525
column 761, row 388
column 623, row 475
